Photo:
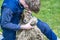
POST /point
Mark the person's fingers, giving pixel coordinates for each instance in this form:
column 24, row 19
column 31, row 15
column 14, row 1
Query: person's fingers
column 26, row 7
column 30, row 12
column 32, row 27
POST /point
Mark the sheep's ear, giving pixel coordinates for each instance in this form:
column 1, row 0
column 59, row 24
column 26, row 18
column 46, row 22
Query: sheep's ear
column 22, row 17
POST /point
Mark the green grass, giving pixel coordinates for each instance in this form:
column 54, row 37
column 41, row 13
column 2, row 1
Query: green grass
column 49, row 13
column 0, row 3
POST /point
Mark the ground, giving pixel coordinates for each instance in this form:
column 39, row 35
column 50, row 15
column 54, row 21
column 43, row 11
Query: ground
column 49, row 13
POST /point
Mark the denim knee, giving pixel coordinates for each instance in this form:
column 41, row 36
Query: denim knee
column 45, row 29
column 43, row 26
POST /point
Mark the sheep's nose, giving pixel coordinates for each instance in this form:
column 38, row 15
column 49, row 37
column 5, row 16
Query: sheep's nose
column 24, row 21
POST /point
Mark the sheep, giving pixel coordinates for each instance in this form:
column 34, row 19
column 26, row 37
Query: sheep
column 32, row 34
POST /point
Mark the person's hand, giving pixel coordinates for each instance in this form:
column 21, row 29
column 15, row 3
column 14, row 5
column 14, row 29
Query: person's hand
column 26, row 26
column 24, row 4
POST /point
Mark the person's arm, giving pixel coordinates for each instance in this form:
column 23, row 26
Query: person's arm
column 6, row 20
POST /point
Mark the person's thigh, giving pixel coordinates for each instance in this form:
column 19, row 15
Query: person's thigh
column 45, row 29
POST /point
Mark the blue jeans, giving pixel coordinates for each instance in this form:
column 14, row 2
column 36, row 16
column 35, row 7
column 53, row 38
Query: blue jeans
column 45, row 29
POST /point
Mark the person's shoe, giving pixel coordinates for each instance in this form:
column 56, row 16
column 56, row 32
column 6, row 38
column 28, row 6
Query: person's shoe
column 1, row 37
column 58, row 38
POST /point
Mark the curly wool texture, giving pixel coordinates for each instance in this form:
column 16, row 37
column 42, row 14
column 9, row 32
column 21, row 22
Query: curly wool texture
column 32, row 34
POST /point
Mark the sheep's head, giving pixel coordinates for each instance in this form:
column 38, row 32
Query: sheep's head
column 34, row 5
column 27, row 17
